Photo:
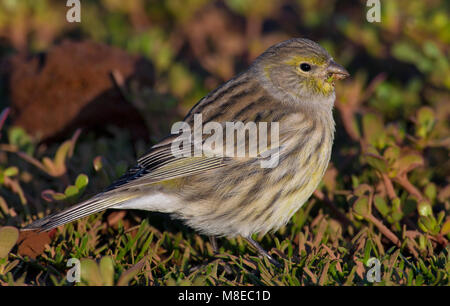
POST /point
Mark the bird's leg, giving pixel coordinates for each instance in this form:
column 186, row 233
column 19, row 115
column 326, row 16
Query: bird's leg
column 213, row 241
column 262, row 251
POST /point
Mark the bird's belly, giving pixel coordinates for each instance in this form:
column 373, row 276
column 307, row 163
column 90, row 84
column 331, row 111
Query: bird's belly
column 297, row 191
column 261, row 202
column 297, row 199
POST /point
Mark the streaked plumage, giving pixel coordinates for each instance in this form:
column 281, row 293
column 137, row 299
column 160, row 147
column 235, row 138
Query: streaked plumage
column 229, row 196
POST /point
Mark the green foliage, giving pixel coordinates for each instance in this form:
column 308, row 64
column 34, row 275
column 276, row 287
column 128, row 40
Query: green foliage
column 102, row 274
column 8, row 238
column 386, row 194
column 18, row 137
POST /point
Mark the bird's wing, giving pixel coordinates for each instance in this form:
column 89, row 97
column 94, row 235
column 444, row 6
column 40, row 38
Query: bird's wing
column 161, row 164
column 157, row 165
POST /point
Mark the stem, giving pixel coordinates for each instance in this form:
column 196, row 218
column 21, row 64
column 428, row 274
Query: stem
column 392, row 195
column 383, row 229
column 405, row 183
column 389, row 187
column 24, row 156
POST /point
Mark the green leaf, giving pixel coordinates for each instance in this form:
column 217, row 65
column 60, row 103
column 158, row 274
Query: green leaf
column 11, row 171
column 396, row 203
column 405, row 52
column 425, row 121
column 397, row 216
column 107, row 270
column 361, row 206
column 17, row 136
column 60, row 157
column 376, row 162
column 58, row 196
column 409, row 161
column 90, row 272
column 381, row 205
column 71, row 193
column 425, row 209
column 409, row 53
column 424, row 229
column 8, row 238
column 445, row 228
column 50, row 166
column 431, row 191
column 440, row 218
column 391, row 154
column 431, row 50
column 428, row 224
column 81, row 182
column 410, row 205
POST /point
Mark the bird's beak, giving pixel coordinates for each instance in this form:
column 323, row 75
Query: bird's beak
column 337, row 71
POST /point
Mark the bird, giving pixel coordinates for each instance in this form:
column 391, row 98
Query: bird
column 292, row 84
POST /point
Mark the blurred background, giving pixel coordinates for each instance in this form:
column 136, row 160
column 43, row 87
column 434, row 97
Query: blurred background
column 115, row 82
column 192, row 46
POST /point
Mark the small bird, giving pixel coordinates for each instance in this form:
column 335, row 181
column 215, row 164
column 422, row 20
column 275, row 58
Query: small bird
column 291, row 83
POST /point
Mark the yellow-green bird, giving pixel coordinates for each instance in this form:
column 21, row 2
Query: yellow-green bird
column 291, row 83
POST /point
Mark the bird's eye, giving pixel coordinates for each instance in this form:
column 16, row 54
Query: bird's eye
column 305, row 67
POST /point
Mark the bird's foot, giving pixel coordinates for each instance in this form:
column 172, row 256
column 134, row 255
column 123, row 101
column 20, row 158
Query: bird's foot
column 263, row 252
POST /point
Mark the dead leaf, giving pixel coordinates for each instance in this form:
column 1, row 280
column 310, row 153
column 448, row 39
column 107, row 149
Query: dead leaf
column 32, row 244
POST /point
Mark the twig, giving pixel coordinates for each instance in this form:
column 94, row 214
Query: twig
column 405, row 183
column 439, row 238
column 24, row 156
column 389, row 186
column 383, row 229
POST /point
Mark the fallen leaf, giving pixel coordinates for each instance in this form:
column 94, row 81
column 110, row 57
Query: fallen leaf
column 32, row 244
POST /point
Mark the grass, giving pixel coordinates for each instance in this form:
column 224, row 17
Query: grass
column 139, row 248
column 385, row 196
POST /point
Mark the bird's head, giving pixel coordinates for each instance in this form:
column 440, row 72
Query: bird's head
column 301, row 68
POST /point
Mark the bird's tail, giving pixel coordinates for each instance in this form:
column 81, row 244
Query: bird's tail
column 98, row 203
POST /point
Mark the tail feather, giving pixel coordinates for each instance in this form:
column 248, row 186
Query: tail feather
column 96, row 204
